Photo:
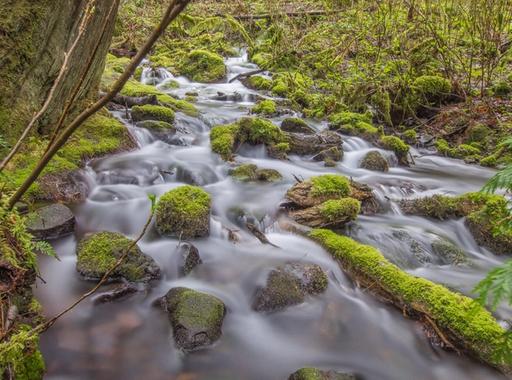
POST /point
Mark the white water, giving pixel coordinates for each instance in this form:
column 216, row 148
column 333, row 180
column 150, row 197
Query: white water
column 344, row 329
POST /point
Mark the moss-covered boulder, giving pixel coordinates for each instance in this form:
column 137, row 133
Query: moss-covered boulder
column 266, row 107
column 296, row 125
column 398, row 146
column 316, row 374
column 99, row 252
column 204, row 66
column 332, row 154
column 303, row 144
column 448, row 252
column 375, row 161
column 354, row 124
column 333, row 213
column 257, row 82
column 152, row 112
column 196, row 318
column 251, row 173
column 51, row 222
column 184, row 212
column 289, row 285
column 484, row 215
column 225, row 139
column 432, row 89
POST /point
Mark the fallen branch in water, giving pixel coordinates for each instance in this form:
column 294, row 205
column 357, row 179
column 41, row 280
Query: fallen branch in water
column 246, row 75
column 258, row 234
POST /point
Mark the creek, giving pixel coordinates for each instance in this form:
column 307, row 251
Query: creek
column 344, row 329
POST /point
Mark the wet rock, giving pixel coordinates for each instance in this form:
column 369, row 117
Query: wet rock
column 251, row 173
column 303, row 144
column 196, row 318
column 161, row 130
column 21, row 207
column 204, row 66
column 130, row 101
column 184, row 212
column 416, row 253
column 190, row 258
column 99, row 252
column 333, row 213
column 375, row 161
column 449, row 252
column 329, row 155
column 51, row 222
column 316, row 374
column 289, row 285
column 329, row 163
column 118, row 292
column 115, row 179
column 296, row 125
column 151, row 112
column 398, row 146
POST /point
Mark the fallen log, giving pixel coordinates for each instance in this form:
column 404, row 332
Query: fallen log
column 258, row 234
column 460, row 321
column 246, row 75
column 260, row 16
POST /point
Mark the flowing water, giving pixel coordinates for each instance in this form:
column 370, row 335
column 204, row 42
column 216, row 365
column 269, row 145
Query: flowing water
column 343, row 329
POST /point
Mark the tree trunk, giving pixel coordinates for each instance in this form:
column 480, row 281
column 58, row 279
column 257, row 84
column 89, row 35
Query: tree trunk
column 33, row 38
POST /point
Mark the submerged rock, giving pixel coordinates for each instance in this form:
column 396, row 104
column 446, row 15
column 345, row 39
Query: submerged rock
column 161, row 130
column 316, row 374
column 184, row 212
column 99, row 252
column 196, row 318
column 250, row 172
column 289, row 285
column 448, row 252
column 296, row 125
column 51, row 222
column 333, row 213
column 190, row 258
column 375, row 161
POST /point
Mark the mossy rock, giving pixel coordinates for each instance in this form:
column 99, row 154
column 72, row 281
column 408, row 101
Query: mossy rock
column 263, row 60
column 303, row 144
column 289, row 285
column 375, row 161
column 258, row 82
column 317, row 190
column 316, row 374
column 51, row 222
column 410, row 136
column 251, row 173
column 136, row 89
column 265, row 107
column 432, row 88
column 398, row 146
column 296, row 125
column 223, row 139
column 354, row 124
column 156, row 126
column 204, row 66
column 330, row 154
column 333, row 213
column 151, row 112
column 196, row 318
column 464, row 320
column 184, row 212
column 448, row 252
column 99, row 252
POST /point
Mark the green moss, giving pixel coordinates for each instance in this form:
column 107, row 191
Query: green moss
column 184, row 212
column 354, row 124
column 335, row 209
column 203, row 66
column 265, row 107
column 410, row 136
column 152, row 112
column 286, row 83
column 250, row 172
column 395, row 144
column 350, row 118
column 137, row 89
column 260, row 131
column 432, row 88
column 460, row 151
column 490, row 161
column 114, row 67
column 259, row 82
column 154, row 125
column 307, row 374
column 223, row 139
column 98, row 253
column 460, row 315
column 263, row 60
column 330, row 184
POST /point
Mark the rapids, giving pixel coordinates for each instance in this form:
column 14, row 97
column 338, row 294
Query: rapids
column 343, row 329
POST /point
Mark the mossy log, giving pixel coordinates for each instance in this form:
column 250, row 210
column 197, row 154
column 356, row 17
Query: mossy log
column 459, row 321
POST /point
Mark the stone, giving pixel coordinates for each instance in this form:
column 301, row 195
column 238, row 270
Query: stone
column 316, row 374
column 190, row 258
column 196, row 318
column 375, row 161
column 51, row 222
column 296, row 125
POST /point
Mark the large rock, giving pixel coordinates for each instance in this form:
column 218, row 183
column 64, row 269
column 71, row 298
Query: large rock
column 184, row 212
column 375, row 161
column 196, row 318
column 204, row 66
column 152, row 112
column 99, row 252
column 303, row 144
column 296, row 125
column 316, row 374
column 448, row 252
column 51, row 222
column 289, row 285
column 333, row 213
column 251, row 173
